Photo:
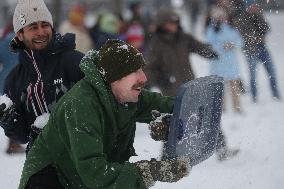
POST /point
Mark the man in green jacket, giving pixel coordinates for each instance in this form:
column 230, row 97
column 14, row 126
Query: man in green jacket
column 89, row 137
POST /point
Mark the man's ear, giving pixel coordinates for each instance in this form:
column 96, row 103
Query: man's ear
column 20, row 35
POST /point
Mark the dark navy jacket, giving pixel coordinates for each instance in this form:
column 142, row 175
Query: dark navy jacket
column 38, row 81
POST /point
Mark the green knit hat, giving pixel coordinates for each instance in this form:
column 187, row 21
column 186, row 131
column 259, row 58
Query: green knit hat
column 118, row 59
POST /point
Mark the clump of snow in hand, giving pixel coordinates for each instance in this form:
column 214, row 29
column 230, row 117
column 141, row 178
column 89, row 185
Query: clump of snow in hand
column 6, row 100
column 41, row 121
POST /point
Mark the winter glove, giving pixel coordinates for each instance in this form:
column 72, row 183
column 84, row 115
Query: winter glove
column 163, row 171
column 2, row 109
column 8, row 116
column 159, row 127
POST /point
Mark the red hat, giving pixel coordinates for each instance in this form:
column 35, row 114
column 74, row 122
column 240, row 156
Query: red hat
column 135, row 32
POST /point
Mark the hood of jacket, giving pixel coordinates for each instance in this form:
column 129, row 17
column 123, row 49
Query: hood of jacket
column 92, row 74
column 94, row 77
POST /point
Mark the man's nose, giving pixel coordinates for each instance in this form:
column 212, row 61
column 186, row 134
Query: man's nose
column 40, row 31
column 143, row 77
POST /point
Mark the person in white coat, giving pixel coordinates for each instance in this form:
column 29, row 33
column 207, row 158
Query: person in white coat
column 225, row 40
column 76, row 24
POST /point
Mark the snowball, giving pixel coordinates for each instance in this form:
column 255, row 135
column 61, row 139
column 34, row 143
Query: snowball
column 41, row 121
column 6, row 100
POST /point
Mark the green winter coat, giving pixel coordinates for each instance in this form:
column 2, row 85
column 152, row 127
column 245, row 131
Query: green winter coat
column 89, row 136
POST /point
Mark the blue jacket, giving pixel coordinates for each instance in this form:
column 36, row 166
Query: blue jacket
column 8, row 59
column 227, row 65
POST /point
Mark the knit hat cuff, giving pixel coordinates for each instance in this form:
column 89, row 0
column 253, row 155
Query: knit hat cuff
column 118, row 73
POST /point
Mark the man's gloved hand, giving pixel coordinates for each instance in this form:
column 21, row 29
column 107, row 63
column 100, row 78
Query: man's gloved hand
column 2, row 109
column 159, row 127
column 163, row 171
column 8, row 116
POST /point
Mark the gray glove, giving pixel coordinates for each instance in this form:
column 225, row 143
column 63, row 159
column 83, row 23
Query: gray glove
column 159, row 127
column 164, row 171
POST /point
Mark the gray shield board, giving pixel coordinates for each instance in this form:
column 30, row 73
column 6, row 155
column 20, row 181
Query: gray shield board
column 196, row 119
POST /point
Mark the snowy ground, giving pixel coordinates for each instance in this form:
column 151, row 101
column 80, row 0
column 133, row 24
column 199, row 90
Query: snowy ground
column 258, row 132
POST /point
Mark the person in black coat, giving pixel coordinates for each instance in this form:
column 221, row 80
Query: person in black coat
column 48, row 67
column 252, row 25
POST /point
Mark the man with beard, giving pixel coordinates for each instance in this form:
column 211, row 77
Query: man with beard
column 48, row 67
column 89, row 136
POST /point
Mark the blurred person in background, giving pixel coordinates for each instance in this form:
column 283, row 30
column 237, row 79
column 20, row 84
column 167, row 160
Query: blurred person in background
column 140, row 17
column 135, row 36
column 225, row 40
column 8, row 60
column 169, row 67
column 122, row 27
column 229, row 6
column 107, row 27
column 76, row 24
column 48, row 67
column 253, row 27
column 169, row 53
column 194, row 7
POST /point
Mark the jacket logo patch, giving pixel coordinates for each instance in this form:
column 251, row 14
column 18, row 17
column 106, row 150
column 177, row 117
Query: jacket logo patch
column 58, row 81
